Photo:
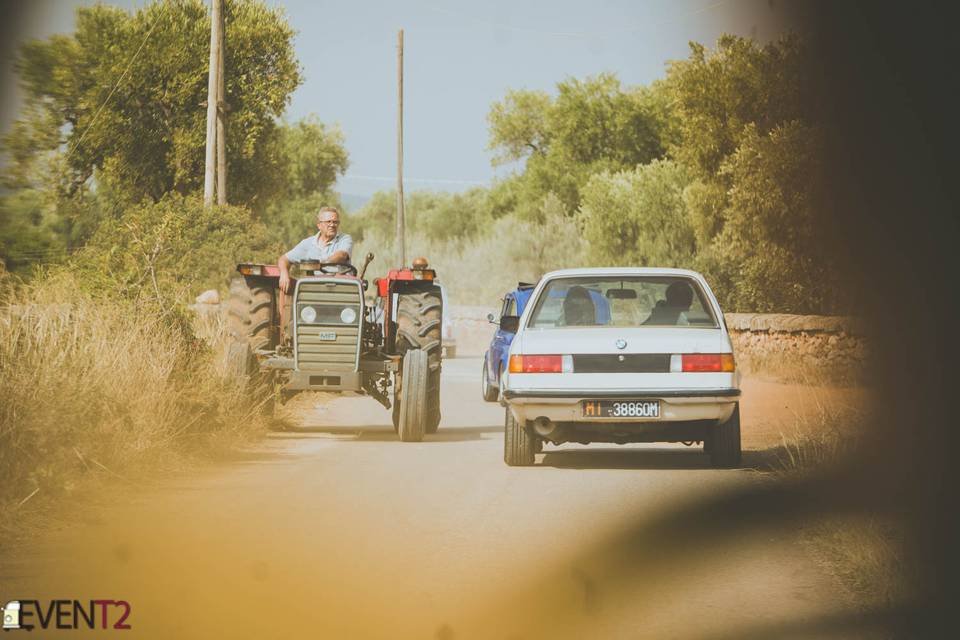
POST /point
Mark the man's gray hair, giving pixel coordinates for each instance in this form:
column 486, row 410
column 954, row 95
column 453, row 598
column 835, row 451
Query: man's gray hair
column 324, row 210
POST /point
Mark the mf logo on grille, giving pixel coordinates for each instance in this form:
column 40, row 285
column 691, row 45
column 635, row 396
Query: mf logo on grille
column 621, row 344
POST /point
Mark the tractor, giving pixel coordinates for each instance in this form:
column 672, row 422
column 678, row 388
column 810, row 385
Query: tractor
column 323, row 335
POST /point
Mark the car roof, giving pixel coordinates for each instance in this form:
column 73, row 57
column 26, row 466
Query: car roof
column 622, row 271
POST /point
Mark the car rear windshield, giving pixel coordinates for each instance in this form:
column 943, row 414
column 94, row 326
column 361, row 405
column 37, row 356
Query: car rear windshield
column 622, row 301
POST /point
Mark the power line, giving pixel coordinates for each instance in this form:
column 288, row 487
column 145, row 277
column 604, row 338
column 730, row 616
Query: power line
column 123, row 75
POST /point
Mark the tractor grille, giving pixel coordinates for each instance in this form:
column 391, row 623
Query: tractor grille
column 316, row 351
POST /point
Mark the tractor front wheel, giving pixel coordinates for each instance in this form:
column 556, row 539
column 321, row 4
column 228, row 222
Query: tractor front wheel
column 414, row 414
column 419, row 324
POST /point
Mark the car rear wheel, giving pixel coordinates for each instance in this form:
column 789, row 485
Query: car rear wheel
column 490, row 392
column 519, row 447
column 724, row 446
column 414, row 396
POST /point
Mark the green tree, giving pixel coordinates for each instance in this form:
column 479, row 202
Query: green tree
column 718, row 93
column 592, row 125
column 439, row 216
column 309, row 156
column 638, row 217
column 746, row 126
column 777, row 251
column 135, row 121
column 170, row 249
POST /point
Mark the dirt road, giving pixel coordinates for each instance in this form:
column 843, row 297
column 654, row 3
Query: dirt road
column 341, row 531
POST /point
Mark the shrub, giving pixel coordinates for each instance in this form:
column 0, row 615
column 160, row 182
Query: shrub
column 168, row 249
column 88, row 385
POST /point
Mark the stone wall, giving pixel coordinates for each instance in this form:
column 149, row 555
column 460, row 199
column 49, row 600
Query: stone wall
column 829, row 347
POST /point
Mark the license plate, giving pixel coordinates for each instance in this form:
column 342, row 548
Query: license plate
column 328, row 335
column 649, row 409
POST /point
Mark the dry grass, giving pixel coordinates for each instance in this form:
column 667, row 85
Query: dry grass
column 865, row 553
column 866, row 556
column 102, row 388
column 797, row 370
column 820, row 437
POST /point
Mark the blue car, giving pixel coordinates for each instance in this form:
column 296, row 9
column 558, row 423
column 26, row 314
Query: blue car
column 495, row 359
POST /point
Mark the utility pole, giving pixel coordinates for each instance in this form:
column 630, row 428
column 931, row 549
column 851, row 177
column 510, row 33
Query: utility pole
column 400, row 239
column 213, row 87
column 221, row 116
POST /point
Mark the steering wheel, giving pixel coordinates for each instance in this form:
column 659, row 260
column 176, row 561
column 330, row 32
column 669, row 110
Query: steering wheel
column 338, row 268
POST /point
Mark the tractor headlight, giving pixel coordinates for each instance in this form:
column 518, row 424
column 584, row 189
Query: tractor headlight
column 348, row 315
column 308, row 314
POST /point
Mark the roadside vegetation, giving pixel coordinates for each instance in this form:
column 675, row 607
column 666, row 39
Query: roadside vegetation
column 865, row 552
column 101, row 387
column 104, row 240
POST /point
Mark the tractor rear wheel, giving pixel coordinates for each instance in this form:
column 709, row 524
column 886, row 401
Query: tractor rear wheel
column 419, row 325
column 250, row 313
column 414, row 396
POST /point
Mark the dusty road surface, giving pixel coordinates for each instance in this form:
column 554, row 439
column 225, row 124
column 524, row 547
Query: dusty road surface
column 340, row 531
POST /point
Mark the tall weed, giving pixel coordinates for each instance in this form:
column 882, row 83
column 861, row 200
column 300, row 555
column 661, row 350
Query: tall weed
column 104, row 385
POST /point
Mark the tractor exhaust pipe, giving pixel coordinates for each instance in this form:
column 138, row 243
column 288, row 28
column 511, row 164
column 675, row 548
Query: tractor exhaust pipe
column 366, row 263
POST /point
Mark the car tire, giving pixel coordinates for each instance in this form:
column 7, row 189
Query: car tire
column 414, row 396
column 519, row 447
column 724, row 445
column 490, row 392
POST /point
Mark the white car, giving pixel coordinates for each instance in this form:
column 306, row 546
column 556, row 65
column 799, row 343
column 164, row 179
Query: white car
column 621, row 355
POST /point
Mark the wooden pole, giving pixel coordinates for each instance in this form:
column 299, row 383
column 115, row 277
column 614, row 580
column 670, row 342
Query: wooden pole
column 400, row 240
column 212, row 86
column 221, row 116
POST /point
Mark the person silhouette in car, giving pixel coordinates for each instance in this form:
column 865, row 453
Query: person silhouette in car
column 672, row 311
column 578, row 308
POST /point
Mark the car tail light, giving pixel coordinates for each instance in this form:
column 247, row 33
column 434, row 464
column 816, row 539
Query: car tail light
column 541, row 364
column 702, row 362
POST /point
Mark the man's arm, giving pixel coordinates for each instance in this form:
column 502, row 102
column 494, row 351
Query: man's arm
column 344, row 249
column 339, row 256
column 284, row 264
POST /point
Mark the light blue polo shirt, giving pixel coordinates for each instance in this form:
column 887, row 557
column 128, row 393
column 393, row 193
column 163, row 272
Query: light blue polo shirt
column 313, row 249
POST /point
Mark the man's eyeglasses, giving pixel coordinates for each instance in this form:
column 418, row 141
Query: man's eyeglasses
column 329, row 222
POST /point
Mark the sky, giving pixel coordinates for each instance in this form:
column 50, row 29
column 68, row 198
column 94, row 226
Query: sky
column 460, row 57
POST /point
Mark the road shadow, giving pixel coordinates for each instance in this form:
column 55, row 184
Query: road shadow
column 383, row 433
column 627, row 459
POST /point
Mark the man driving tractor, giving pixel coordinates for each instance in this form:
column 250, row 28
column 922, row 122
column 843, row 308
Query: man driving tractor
column 328, row 245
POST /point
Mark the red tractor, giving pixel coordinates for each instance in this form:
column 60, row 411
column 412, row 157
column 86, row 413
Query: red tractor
column 324, row 336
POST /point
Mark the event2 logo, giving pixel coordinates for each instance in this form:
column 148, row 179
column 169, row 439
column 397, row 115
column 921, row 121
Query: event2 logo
column 66, row 614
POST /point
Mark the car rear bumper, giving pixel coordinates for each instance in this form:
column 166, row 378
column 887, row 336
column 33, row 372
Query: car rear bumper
column 525, row 394
column 676, row 405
